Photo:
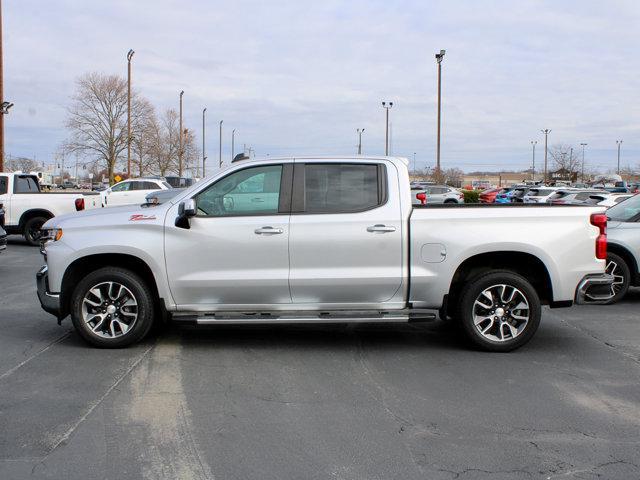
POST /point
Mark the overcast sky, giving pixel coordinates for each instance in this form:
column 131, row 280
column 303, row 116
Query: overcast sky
column 298, row 77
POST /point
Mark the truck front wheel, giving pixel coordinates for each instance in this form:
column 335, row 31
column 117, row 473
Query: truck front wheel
column 499, row 311
column 112, row 307
column 32, row 230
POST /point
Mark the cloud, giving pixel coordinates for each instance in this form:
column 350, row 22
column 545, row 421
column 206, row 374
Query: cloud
column 301, row 76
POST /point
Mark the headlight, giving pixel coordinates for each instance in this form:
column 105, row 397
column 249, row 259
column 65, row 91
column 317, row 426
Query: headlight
column 51, row 234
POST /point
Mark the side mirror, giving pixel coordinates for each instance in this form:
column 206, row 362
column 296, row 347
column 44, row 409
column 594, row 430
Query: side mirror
column 186, row 210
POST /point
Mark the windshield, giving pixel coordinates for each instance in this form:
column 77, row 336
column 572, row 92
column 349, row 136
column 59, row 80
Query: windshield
column 625, row 211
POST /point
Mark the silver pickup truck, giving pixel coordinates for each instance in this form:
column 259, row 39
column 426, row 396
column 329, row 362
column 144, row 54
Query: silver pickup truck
column 319, row 240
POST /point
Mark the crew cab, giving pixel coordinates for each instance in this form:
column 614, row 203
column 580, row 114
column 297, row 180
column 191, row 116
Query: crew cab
column 27, row 207
column 132, row 191
column 319, row 240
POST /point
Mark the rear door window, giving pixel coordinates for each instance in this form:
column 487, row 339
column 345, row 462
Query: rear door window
column 4, row 185
column 341, row 188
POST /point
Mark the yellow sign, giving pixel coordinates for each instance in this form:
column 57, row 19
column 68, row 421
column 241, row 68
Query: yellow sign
column 117, row 178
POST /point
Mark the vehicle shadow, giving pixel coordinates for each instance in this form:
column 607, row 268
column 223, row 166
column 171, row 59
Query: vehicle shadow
column 434, row 335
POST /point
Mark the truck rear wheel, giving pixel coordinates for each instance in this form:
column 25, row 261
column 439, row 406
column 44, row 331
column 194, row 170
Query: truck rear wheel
column 112, row 308
column 499, row 311
column 617, row 267
column 32, row 230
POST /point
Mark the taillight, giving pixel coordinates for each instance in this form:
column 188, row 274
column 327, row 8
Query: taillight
column 422, row 197
column 600, row 220
column 79, row 204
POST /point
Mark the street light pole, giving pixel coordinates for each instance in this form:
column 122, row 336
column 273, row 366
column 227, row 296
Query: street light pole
column 180, row 147
column 533, row 160
column 387, row 106
column 414, row 163
column 582, row 170
column 546, row 132
column 619, row 144
column 360, row 131
column 439, row 58
column 220, row 154
column 204, row 156
column 129, row 57
column 233, row 143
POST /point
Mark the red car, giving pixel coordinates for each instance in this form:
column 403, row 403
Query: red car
column 489, row 195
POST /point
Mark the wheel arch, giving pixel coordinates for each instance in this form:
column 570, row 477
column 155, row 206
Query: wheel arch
column 89, row 263
column 34, row 212
column 522, row 263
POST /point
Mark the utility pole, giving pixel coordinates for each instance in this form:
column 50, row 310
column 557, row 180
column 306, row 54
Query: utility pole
column 233, row 143
column 439, row 58
column 546, row 132
column 360, row 131
column 181, row 140
column 619, row 144
column 204, row 156
column 129, row 57
column 414, row 163
column 582, row 173
column 220, row 154
column 5, row 105
column 533, row 160
column 387, row 106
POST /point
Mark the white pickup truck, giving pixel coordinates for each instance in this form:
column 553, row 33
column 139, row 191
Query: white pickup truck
column 319, row 240
column 27, row 208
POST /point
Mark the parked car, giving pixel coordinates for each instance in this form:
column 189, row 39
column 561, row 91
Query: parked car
column 505, row 195
column 3, row 234
column 519, row 193
column 435, row 194
column 571, row 197
column 161, row 196
column 132, row 191
column 489, row 195
column 607, row 199
column 318, row 241
column 538, row 194
column 27, row 207
column 623, row 249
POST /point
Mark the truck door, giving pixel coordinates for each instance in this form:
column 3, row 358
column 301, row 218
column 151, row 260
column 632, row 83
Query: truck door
column 236, row 251
column 346, row 234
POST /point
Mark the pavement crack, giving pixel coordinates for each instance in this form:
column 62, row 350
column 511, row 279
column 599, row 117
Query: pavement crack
column 65, row 437
column 33, row 356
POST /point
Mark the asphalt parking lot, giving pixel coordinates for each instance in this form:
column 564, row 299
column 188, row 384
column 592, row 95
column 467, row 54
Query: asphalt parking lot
column 347, row 402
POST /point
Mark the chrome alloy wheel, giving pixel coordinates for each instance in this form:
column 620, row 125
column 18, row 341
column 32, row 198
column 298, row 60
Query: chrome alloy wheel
column 614, row 269
column 501, row 313
column 109, row 309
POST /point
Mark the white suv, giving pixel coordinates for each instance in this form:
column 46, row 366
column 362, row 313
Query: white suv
column 132, row 191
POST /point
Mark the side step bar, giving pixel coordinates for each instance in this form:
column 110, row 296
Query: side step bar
column 284, row 317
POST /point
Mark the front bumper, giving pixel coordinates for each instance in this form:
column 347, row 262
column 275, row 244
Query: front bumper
column 594, row 288
column 50, row 302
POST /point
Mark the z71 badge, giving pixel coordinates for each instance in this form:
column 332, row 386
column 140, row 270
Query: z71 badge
column 139, row 217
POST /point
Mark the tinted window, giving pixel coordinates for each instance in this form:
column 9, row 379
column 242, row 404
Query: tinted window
column 252, row 191
column 625, row 211
column 25, row 185
column 340, row 188
column 147, row 186
column 621, row 199
column 122, row 187
column 539, row 193
column 4, row 185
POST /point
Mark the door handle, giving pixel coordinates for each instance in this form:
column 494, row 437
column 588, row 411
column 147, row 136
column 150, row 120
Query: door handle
column 380, row 229
column 268, row 231
column 257, row 200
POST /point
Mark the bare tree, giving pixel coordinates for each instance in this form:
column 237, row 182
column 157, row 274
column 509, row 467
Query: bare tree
column 165, row 144
column 97, row 118
column 565, row 157
column 142, row 141
column 22, row 164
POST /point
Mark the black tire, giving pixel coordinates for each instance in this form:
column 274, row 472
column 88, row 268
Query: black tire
column 475, row 288
column 617, row 267
column 143, row 297
column 450, row 200
column 32, row 229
